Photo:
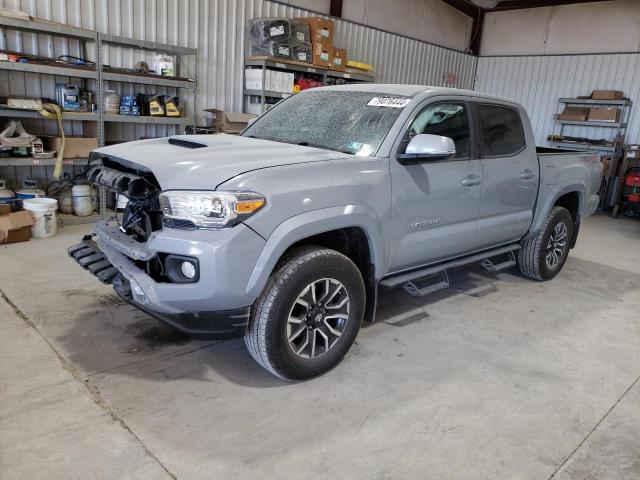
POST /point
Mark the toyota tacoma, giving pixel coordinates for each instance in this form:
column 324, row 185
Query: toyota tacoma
column 285, row 233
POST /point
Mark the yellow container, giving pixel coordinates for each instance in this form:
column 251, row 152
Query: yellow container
column 359, row 65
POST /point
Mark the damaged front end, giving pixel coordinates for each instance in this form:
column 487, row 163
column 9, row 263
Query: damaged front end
column 142, row 215
column 166, row 272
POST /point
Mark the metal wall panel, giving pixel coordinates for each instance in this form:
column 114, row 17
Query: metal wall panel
column 218, row 29
column 538, row 81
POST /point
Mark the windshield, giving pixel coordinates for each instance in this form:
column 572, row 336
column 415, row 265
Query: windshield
column 349, row 122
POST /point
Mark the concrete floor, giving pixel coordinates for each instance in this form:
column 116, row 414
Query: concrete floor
column 496, row 378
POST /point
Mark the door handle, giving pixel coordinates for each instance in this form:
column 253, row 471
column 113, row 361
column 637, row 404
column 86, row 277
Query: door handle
column 471, row 181
column 527, row 174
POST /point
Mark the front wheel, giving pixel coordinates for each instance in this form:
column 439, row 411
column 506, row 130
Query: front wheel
column 309, row 314
column 543, row 255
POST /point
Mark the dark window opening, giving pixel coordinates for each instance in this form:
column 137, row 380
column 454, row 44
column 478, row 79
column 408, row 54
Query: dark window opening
column 501, row 131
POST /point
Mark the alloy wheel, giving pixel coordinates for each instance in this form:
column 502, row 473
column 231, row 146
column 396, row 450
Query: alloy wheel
column 556, row 245
column 318, row 318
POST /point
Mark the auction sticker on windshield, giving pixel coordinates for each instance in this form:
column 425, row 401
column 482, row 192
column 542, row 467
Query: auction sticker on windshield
column 389, row 102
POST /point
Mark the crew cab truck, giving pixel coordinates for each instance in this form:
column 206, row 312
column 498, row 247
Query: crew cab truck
column 285, row 233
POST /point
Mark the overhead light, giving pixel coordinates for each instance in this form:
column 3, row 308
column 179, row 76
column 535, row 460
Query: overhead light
column 485, row 3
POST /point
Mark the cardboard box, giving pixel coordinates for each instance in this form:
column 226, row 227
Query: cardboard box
column 289, row 81
column 272, row 82
column 339, row 59
column 14, row 227
column 607, row 95
column 322, row 54
column 229, row 122
column 280, row 81
column 604, row 114
column 253, row 78
column 575, row 114
column 321, row 29
column 75, row 147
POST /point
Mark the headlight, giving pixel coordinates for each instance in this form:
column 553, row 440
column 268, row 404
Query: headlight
column 209, row 209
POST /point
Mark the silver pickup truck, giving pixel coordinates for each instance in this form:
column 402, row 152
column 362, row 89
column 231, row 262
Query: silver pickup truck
column 285, row 233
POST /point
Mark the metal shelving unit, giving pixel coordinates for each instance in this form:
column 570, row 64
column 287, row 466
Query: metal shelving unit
column 265, row 63
column 47, row 28
column 590, row 101
column 51, row 69
column 108, row 74
column 39, row 162
column 100, row 73
column 618, row 127
column 108, row 117
column 588, row 123
column 20, row 113
column 618, row 130
column 584, row 146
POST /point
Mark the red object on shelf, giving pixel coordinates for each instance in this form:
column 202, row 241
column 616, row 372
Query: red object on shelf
column 632, row 179
column 305, row 83
column 634, row 198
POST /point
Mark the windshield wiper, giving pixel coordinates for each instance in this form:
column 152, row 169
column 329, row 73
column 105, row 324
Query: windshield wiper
column 307, row 144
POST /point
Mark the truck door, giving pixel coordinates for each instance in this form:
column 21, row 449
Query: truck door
column 510, row 174
column 435, row 203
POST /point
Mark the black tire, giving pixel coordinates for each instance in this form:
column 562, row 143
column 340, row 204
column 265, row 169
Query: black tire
column 532, row 257
column 267, row 335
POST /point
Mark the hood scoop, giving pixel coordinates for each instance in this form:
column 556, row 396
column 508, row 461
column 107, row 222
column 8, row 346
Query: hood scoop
column 186, row 143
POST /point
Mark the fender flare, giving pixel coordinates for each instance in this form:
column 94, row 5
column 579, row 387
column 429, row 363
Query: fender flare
column 312, row 223
column 557, row 191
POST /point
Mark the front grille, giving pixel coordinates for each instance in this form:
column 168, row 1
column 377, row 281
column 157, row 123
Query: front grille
column 142, row 216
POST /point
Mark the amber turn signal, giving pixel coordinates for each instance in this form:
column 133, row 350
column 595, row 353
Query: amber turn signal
column 248, row 206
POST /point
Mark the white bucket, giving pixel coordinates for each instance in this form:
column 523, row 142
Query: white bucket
column 82, row 203
column 43, row 211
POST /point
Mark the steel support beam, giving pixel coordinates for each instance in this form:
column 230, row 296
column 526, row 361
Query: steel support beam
column 519, row 4
column 335, row 8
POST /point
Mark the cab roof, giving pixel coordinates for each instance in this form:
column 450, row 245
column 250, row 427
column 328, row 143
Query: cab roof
column 413, row 91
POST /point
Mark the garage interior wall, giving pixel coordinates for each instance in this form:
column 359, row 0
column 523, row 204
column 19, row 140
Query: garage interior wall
column 218, row 29
column 599, row 27
column 536, row 56
column 538, row 81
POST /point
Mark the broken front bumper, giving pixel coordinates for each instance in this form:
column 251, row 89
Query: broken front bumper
column 215, row 306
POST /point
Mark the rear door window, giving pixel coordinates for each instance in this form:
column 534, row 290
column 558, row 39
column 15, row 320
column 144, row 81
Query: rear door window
column 501, row 131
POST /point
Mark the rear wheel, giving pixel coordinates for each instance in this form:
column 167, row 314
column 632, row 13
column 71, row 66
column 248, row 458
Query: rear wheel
column 543, row 255
column 309, row 314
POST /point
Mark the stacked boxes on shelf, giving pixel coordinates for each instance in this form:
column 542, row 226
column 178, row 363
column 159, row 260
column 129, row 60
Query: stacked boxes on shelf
column 308, row 40
column 321, row 35
column 274, row 80
column 279, row 38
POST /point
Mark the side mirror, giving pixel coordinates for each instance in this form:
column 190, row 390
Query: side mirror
column 427, row 147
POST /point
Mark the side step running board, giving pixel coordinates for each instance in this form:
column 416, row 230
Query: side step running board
column 498, row 267
column 412, row 289
column 404, row 278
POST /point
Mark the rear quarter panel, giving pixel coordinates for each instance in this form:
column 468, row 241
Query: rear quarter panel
column 566, row 172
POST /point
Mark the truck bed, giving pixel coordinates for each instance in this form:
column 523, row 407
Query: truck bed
column 560, row 167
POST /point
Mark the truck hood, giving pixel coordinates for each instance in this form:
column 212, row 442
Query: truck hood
column 181, row 166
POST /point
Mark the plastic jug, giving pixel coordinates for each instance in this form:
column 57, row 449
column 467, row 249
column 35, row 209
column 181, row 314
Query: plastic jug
column 82, row 204
column 6, row 195
column 30, row 189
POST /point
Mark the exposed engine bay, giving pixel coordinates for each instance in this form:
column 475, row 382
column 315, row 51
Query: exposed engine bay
column 142, row 215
